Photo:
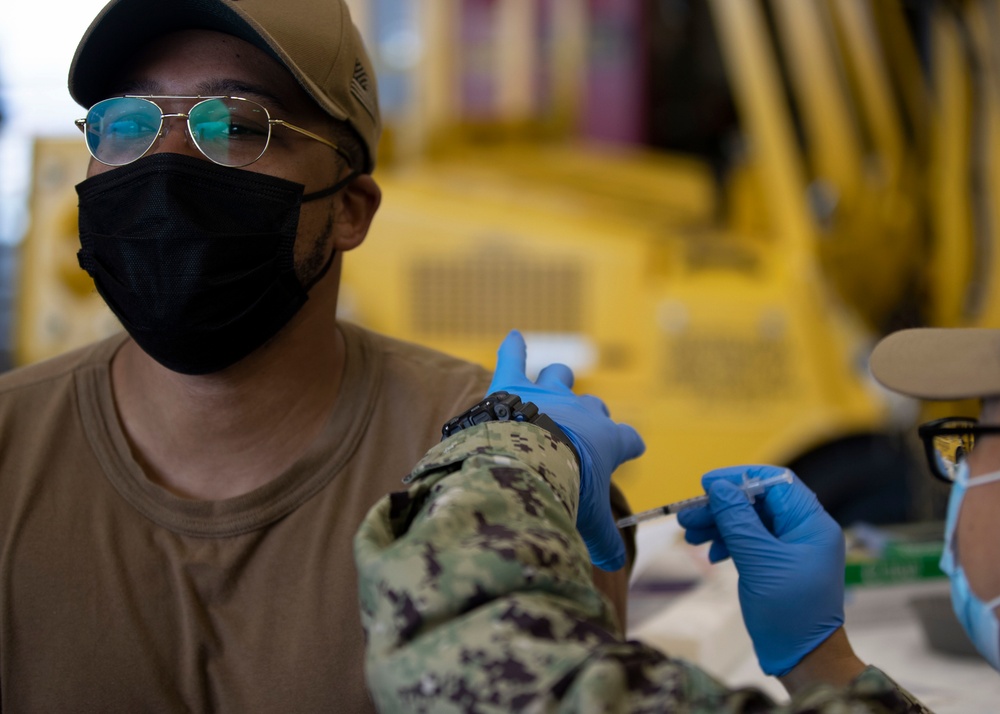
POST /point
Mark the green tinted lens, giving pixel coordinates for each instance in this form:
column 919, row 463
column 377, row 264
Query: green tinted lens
column 231, row 132
column 121, row 129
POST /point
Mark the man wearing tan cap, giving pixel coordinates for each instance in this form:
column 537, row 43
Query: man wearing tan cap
column 177, row 503
column 953, row 364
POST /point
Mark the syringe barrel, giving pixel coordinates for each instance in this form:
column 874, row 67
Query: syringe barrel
column 755, row 486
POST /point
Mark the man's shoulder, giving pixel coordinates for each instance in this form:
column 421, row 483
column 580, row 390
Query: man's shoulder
column 401, row 355
column 435, row 386
column 44, row 375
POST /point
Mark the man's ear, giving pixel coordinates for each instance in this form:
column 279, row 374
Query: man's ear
column 358, row 202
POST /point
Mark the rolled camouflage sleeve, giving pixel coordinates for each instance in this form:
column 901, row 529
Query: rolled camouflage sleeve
column 476, row 596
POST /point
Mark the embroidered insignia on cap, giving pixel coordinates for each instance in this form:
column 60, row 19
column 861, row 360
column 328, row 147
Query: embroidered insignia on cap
column 361, row 87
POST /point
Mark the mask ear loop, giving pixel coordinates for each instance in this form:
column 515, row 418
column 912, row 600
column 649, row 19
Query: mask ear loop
column 982, row 480
column 322, row 193
column 329, row 191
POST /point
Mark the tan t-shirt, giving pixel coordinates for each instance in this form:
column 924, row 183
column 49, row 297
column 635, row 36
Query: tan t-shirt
column 116, row 596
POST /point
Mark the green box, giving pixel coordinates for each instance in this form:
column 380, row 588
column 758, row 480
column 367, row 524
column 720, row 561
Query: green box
column 893, row 554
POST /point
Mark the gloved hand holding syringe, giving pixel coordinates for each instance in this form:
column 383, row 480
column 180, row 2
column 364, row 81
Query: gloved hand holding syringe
column 752, row 487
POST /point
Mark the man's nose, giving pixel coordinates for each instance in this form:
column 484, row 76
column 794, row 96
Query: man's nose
column 174, row 137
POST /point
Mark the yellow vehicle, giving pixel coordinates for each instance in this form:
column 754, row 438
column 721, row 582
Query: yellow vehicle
column 726, row 336
column 727, row 316
column 964, row 187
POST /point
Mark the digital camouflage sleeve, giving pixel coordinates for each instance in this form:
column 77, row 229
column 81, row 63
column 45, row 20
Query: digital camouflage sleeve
column 476, row 596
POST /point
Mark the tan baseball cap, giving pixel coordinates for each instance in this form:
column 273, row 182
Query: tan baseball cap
column 939, row 363
column 314, row 39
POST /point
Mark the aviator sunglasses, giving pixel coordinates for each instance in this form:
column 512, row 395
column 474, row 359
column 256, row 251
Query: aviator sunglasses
column 229, row 131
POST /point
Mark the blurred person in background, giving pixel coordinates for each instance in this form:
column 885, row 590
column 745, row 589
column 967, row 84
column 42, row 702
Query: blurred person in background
column 474, row 586
column 177, row 502
column 948, row 364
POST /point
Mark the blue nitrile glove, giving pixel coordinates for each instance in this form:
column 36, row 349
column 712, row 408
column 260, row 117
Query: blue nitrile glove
column 789, row 554
column 602, row 444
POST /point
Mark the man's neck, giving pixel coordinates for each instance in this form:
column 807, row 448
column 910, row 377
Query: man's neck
column 223, row 435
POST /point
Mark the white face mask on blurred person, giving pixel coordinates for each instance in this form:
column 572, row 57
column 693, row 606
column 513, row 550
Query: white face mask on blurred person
column 977, row 617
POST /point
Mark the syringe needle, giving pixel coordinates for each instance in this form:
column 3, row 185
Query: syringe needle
column 666, row 510
column 644, row 516
column 752, row 487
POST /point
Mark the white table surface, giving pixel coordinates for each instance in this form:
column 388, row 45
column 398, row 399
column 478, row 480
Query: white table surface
column 882, row 627
column 885, row 631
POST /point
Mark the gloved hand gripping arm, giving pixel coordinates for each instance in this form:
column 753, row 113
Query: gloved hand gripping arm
column 790, row 556
column 602, row 444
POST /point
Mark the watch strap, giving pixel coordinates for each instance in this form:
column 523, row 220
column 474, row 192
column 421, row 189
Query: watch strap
column 504, row 406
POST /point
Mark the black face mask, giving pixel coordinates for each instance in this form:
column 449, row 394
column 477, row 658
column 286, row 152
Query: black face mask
column 195, row 259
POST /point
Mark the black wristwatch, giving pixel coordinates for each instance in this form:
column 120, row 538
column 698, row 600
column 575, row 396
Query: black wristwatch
column 503, row 406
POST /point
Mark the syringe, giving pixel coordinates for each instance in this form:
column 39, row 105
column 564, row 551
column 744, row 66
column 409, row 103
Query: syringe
column 752, row 487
